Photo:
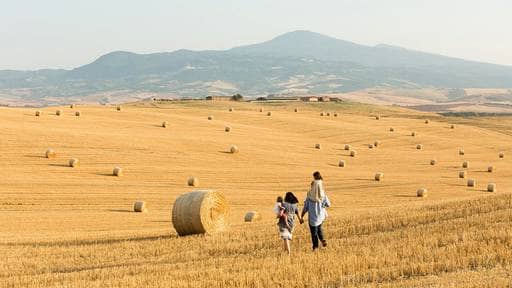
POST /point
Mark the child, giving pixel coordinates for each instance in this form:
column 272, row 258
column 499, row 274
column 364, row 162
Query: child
column 280, row 211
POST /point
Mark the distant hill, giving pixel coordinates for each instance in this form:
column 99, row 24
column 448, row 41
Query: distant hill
column 294, row 63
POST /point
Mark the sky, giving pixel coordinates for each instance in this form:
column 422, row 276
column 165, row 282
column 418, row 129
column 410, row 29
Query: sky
column 65, row 34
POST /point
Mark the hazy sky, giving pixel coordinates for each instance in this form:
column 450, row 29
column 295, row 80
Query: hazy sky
column 68, row 33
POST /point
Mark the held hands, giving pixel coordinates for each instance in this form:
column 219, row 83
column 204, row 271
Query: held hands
column 301, row 220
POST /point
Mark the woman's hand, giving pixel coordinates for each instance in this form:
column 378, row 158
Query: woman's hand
column 301, row 220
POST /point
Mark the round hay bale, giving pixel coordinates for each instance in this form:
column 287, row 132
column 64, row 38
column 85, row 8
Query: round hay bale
column 370, row 146
column 269, row 113
column 118, row 108
column 200, row 212
column 50, row 153
column 491, row 187
column 413, row 134
column 376, row 143
column 139, row 206
column 164, row 124
column 210, row 117
column 419, row 146
column 461, row 152
column 471, row 182
column 379, row 176
column 261, row 109
column 193, row 181
column 452, row 126
column 322, row 114
column 227, row 129
column 233, row 149
column 502, row 155
column 391, row 129
column 252, row 216
column 72, row 106
column 318, row 146
column 58, row 112
column 73, row 162
column 465, row 164
column 427, row 121
column 490, row 169
column 328, row 114
column 433, row 162
column 347, row 147
column 231, row 109
column 77, row 113
column 377, row 117
column 296, row 110
column 353, row 153
column 38, row 113
column 118, row 171
column 341, row 163
column 335, row 114
column 462, row 174
column 422, row 192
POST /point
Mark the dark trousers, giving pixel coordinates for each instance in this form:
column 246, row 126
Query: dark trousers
column 316, row 234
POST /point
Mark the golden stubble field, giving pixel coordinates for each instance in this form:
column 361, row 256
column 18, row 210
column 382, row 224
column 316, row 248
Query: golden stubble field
column 65, row 226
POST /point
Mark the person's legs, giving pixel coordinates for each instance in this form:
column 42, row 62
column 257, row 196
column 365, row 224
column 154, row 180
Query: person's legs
column 321, row 235
column 287, row 246
column 314, row 236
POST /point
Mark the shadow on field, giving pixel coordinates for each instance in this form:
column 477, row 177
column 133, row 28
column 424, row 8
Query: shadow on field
column 225, row 152
column 104, row 174
column 34, row 156
column 120, row 211
column 58, row 165
column 405, row 196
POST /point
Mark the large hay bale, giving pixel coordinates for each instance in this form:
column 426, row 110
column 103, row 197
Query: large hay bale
column 227, row 129
column 118, row 171
column 419, row 146
column 353, row 153
column 50, row 153
column 377, row 117
column 391, row 129
column 193, row 181
column 471, row 182
column 465, row 164
column 491, row 187
column 433, row 162
column 72, row 106
column 318, row 146
column 73, row 162
column 490, row 169
column 269, row 113
column 77, row 113
column 231, row 109
column 413, row 133
column 347, row 147
column 322, row 113
column 296, row 110
column 139, row 206
column 233, row 149
column 461, row 152
column 379, row 176
column 58, row 112
column 335, row 114
column 427, row 121
column 252, row 216
column 462, row 174
column 38, row 113
column 502, row 155
column 328, row 114
column 452, row 126
column 200, row 212
column 164, row 124
column 261, row 109
column 376, row 143
column 370, row 146
column 422, row 192
column 341, row 163
column 210, row 117
column 118, row 108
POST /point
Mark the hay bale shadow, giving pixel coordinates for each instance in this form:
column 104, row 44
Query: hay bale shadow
column 58, row 165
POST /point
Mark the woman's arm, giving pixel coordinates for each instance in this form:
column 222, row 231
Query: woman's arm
column 326, row 203
column 305, row 208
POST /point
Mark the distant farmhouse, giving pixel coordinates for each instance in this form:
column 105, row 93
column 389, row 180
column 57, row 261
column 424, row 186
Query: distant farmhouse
column 219, row 98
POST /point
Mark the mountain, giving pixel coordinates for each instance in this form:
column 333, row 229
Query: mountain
column 298, row 62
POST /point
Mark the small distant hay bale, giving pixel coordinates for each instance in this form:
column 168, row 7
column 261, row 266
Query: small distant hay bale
column 413, row 134
column 73, row 162
column 491, row 187
column 261, row 109
column 370, row 146
column 328, row 114
column 461, row 152
column 335, row 114
column 422, row 192
column 462, row 174
column 341, row 163
column 376, row 143
column 322, row 114
column 200, row 212
column 140, row 206
column 118, row 108
column 50, row 153
column 427, row 121
column 490, row 169
column 38, row 113
column 347, row 147
column 227, row 129
column 471, row 182
column 379, row 176
column 452, row 126
column 419, row 146
column 72, row 106
column 269, row 113
column 502, row 155
column 231, row 109
column 193, row 181
column 318, row 146
column 433, row 162
column 296, row 110
column 377, row 117
column 465, row 164
column 252, row 216
column 164, row 124
column 77, row 113
column 233, row 149
column 391, row 129
column 353, row 153
column 58, row 112
column 118, row 171
column 210, row 117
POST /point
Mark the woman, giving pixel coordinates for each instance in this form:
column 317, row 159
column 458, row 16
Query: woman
column 286, row 224
column 315, row 205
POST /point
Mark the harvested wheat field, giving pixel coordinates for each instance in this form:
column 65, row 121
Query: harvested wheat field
column 75, row 227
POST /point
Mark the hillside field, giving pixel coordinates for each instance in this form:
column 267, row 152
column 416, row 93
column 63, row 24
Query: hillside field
column 74, row 227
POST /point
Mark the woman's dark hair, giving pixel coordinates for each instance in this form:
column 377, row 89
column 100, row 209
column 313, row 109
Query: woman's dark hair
column 290, row 198
column 317, row 176
column 279, row 199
